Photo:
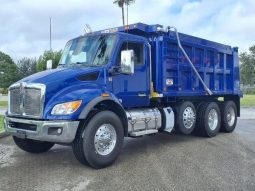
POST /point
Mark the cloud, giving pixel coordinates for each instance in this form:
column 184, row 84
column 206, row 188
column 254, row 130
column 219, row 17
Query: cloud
column 24, row 30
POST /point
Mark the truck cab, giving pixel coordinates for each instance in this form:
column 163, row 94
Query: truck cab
column 109, row 85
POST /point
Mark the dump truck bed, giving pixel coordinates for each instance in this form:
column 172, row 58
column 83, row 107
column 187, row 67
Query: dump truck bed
column 172, row 75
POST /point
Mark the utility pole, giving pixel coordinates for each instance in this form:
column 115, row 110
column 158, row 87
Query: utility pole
column 49, row 62
column 50, row 33
column 127, row 12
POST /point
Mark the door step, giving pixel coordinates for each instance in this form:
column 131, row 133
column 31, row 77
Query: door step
column 145, row 132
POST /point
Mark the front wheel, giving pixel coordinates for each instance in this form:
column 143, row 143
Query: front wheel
column 99, row 143
column 32, row 146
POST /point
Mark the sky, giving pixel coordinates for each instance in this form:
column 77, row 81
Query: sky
column 24, row 24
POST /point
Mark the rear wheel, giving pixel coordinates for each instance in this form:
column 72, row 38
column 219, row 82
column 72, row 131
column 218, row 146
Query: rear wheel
column 99, row 143
column 186, row 117
column 32, row 146
column 229, row 116
column 209, row 119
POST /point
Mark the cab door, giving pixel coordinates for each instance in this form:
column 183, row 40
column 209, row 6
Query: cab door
column 133, row 90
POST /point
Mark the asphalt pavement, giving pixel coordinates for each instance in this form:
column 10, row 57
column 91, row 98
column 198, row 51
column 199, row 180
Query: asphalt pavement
column 160, row 162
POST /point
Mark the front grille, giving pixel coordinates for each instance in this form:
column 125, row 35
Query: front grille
column 26, row 101
column 15, row 101
column 32, row 102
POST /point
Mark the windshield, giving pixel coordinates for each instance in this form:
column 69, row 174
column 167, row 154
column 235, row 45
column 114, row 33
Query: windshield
column 88, row 51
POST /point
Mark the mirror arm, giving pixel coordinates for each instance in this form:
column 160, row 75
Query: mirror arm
column 114, row 70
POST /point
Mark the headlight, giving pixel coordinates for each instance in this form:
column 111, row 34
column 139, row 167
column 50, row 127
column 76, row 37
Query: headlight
column 66, row 108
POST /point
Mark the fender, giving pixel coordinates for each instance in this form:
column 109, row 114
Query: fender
column 94, row 102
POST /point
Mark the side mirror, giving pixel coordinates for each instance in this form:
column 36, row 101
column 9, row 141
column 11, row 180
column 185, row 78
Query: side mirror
column 127, row 61
column 49, row 64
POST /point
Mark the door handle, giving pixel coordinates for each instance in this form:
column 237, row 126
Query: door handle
column 142, row 95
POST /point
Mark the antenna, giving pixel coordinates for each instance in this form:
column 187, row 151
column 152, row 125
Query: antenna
column 50, row 33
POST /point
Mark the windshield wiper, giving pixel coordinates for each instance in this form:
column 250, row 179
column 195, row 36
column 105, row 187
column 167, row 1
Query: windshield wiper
column 70, row 64
column 93, row 65
column 86, row 65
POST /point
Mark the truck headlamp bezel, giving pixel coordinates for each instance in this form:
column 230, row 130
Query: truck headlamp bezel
column 66, row 108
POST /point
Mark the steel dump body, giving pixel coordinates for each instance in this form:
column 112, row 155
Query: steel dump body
column 172, row 75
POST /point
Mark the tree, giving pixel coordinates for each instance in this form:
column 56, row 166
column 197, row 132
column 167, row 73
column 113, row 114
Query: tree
column 26, row 67
column 48, row 55
column 8, row 71
column 247, row 67
column 121, row 4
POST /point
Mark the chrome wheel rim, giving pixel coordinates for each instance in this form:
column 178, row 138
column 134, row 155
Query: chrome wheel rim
column 105, row 139
column 213, row 119
column 231, row 116
column 188, row 117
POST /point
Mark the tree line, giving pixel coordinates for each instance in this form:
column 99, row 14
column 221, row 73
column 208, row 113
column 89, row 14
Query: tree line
column 11, row 72
column 247, row 68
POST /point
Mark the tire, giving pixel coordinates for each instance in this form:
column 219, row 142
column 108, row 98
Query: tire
column 228, row 116
column 185, row 117
column 205, row 111
column 86, row 146
column 32, row 146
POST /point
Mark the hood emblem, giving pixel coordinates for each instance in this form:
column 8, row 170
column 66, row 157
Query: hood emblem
column 21, row 87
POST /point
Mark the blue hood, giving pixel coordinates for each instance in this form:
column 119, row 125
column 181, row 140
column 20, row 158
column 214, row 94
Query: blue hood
column 57, row 80
column 62, row 75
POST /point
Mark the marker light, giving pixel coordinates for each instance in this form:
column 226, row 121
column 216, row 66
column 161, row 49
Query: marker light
column 66, row 108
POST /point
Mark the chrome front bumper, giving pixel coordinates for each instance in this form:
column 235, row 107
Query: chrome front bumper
column 51, row 131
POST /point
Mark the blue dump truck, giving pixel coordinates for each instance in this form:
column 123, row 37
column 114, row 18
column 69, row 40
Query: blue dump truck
column 126, row 81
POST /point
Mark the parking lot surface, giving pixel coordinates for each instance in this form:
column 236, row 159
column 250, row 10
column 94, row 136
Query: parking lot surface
column 161, row 162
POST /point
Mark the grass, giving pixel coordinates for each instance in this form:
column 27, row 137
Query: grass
column 1, row 124
column 3, row 103
column 248, row 100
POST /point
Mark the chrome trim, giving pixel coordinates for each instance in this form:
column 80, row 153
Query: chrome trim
column 144, row 132
column 38, row 86
column 169, row 122
column 143, row 119
column 69, row 129
column 188, row 117
column 213, row 119
column 105, row 139
column 231, row 116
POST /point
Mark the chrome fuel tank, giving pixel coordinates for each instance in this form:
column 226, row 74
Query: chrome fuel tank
column 143, row 119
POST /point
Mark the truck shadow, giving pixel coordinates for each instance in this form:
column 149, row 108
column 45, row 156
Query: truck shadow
column 60, row 156
column 132, row 145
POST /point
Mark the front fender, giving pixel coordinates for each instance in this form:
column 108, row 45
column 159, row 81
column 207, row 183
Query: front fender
column 84, row 93
column 89, row 96
column 94, row 102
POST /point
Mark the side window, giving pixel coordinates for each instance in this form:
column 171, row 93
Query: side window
column 138, row 52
